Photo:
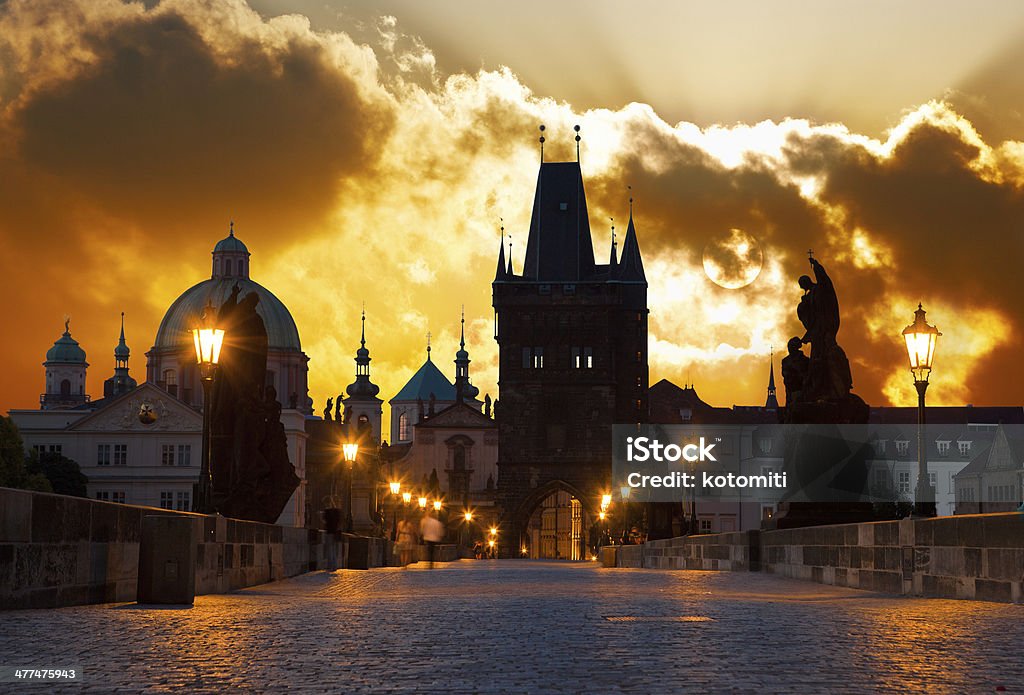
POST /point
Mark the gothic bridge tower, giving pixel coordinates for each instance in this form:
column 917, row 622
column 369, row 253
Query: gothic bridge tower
column 572, row 339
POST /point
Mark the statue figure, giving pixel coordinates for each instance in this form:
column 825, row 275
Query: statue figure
column 794, row 370
column 487, row 405
column 337, row 409
column 828, row 371
column 327, row 410
column 252, row 475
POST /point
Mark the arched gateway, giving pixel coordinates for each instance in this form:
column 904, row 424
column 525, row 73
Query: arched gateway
column 555, row 523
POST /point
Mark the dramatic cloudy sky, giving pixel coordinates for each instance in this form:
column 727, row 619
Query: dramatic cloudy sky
column 367, row 152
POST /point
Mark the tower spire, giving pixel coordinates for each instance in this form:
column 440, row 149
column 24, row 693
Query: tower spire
column 631, row 265
column 772, row 402
column 362, row 388
column 542, row 143
column 577, row 129
column 613, row 261
column 501, row 273
column 463, row 389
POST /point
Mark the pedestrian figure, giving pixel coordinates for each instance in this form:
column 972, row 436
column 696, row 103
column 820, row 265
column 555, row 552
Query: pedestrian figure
column 332, row 528
column 405, row 542
column 432, row 531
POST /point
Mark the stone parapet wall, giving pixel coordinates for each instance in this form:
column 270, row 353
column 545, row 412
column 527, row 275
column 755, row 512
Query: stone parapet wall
column 62, row 551
column 972, row 556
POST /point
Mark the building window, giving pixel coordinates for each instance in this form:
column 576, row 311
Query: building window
column 533, row 358
column 183, row 501
column 171, row 381
column 880, row 447
column 102, row 454
column 705, row 525
column 964, row 447
column 120, row 454
column 184, row 454
column 403, row 427
column 166, row 454
column 166, row 500
column 765, row 445
column 639, row 357
column 904, row 481
column 881, row 479
column 767, row 512
column 933, row 480
column 583, row 358
column 103, row 495
column 569, row 290
column 943, row 448
column 117, row 496
column 902, row 447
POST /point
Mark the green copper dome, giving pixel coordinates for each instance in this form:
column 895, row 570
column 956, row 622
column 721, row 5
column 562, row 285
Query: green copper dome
column 66, row 349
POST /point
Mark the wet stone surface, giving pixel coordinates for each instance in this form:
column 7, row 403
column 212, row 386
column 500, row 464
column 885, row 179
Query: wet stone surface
column 515, row 626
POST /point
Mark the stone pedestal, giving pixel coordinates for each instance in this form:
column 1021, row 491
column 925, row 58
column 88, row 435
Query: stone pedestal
column 167, row 560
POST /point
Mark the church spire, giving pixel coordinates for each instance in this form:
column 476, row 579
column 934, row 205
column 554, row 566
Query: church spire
column 502, row 272
column 613, row 261
column 464, row 391
column 772, row 403
column 121, row 381
column 631, row 265
column 362, row 387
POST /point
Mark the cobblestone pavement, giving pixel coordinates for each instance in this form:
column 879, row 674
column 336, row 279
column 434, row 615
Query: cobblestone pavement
column 529, row 627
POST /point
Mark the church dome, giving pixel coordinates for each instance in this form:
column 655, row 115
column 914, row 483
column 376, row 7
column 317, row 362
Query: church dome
column 181, row 317
column 230, row 244
column 66, row 349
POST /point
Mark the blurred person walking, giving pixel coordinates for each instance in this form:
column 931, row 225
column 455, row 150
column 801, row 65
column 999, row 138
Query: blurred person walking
column 432, row 531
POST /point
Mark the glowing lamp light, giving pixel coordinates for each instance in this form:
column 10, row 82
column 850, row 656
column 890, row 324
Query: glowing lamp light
column 350, row 450
column 602, row 516
column 395, row 488
column 493, row 531
column 606, row 501
column 468, row 516
column 406, row 497
column 437, row 505
column 624, row 491
column 491, row 542
column 422, row 502
column 921, row 339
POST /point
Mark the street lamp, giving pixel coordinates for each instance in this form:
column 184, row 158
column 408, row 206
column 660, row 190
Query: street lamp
column 406, row 497
column 350, row 450
column 396, row 489
column 422, row 502
column 208, row 341
column 921, row 339
column 437, row 505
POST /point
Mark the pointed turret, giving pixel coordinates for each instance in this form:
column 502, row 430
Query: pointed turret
column 631, row 266
column 559, row 248
column 613, row 261
column 464, row 391
column 362, row 387
column 773, row 402
column 502, row 272
column 121, row 382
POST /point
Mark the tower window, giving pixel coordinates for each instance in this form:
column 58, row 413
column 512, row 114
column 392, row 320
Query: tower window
column 229, row 267
column 171, row 381
column 65, row 387
column 533, row 358
column 582, row 358
column 403, row 427
column 639, row 356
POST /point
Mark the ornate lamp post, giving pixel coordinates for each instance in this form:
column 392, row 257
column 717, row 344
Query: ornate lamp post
column 396, row 489
column 624, row 493
column 921, row 339
column 467, row 528
column 208, row 340
column 350, row 450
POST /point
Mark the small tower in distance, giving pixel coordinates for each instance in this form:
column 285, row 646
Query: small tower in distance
column 464, row 391
column 65, row 373
column 772, row 403
column 362, row 404
column 121, row 382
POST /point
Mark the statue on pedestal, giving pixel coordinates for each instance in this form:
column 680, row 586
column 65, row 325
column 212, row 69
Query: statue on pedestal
column 253, row 478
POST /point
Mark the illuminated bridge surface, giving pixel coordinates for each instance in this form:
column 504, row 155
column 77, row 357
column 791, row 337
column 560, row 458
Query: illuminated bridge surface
column 529, row 626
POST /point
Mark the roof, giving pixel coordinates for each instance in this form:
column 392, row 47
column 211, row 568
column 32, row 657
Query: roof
column 559, row 247
column 231, row 244
column 427, row 380
column 66, row 349
column 460, row 416
column 174, row 331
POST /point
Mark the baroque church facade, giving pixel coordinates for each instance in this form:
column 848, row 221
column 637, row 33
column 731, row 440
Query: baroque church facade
column 142, row 443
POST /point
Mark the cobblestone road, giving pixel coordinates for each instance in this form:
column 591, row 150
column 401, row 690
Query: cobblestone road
column 514, row 626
